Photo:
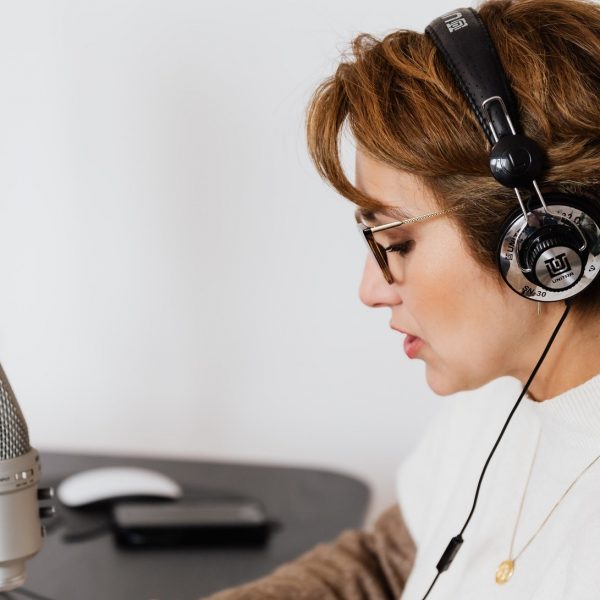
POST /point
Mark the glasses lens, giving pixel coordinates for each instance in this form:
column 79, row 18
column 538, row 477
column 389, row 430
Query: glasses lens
column 377, row 249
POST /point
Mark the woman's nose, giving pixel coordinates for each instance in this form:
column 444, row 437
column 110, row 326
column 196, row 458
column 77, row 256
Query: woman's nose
column 374, row 290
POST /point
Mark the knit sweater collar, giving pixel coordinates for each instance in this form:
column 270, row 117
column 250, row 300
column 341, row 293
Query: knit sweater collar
column 573, row 415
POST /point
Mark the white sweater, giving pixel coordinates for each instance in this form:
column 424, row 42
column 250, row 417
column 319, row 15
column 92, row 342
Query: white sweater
column 437, row 483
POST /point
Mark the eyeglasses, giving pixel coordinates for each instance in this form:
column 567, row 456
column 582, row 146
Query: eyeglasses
column 380, row 251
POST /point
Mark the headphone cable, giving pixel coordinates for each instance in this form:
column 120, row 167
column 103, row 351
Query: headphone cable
column 456, row 542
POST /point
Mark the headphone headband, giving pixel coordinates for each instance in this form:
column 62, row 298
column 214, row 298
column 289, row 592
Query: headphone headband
column 469, row 53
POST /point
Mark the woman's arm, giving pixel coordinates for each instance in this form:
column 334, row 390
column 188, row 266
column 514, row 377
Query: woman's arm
column 358, row 565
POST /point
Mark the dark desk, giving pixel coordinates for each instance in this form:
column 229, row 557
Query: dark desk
column 312, row 506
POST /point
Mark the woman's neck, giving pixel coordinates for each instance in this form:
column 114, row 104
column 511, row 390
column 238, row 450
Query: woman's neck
column 572, row 359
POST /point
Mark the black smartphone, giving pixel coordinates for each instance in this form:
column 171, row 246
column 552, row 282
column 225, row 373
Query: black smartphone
column 186, row 523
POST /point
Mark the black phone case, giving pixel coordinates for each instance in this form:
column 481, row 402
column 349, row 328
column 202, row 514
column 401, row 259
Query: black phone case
column 190, row 523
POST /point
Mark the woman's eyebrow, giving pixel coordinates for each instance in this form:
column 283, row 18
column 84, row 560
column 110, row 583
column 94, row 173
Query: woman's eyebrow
column 371, row 216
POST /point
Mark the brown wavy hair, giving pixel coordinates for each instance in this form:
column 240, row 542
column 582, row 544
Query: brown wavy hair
column 403, row 108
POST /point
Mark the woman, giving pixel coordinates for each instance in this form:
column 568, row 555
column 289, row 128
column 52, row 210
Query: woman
column 422, row 156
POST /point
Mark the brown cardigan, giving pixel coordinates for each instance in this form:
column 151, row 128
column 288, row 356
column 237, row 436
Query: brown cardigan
column 358, row 565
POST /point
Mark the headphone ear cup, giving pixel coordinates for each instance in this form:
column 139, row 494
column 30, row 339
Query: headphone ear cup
column 556, row 257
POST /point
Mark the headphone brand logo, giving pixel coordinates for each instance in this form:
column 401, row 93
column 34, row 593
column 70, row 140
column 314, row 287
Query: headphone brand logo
column 454, row 21
column 558, row 265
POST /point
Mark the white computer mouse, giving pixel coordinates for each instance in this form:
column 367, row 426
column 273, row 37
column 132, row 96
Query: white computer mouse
column 116, row 483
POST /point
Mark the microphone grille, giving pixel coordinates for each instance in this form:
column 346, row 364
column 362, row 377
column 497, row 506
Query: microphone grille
column 14, row 436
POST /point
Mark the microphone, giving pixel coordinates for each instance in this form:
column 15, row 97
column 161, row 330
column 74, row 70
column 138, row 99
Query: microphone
column 21, row 530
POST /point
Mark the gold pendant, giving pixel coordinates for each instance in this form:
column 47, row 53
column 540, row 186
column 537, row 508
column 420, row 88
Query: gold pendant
column 505, row 571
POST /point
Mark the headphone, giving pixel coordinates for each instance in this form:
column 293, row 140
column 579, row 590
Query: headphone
column 549, row 249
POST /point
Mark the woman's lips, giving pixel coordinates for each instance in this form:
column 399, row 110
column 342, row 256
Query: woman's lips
column 412, row 345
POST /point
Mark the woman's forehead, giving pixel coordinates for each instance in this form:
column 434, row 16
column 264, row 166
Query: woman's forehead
column 401, row 194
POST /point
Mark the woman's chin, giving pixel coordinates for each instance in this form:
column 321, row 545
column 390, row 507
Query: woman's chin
column 444, row 384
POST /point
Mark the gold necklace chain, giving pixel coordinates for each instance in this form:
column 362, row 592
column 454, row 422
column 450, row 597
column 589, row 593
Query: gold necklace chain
column 507, row 567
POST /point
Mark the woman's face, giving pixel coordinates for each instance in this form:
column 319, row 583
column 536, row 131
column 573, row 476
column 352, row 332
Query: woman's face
column 471, row 327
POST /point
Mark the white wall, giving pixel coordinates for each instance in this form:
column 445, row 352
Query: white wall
column 176, row 279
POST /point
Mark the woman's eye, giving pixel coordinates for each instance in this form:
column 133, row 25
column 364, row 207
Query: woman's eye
column 401, row 248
